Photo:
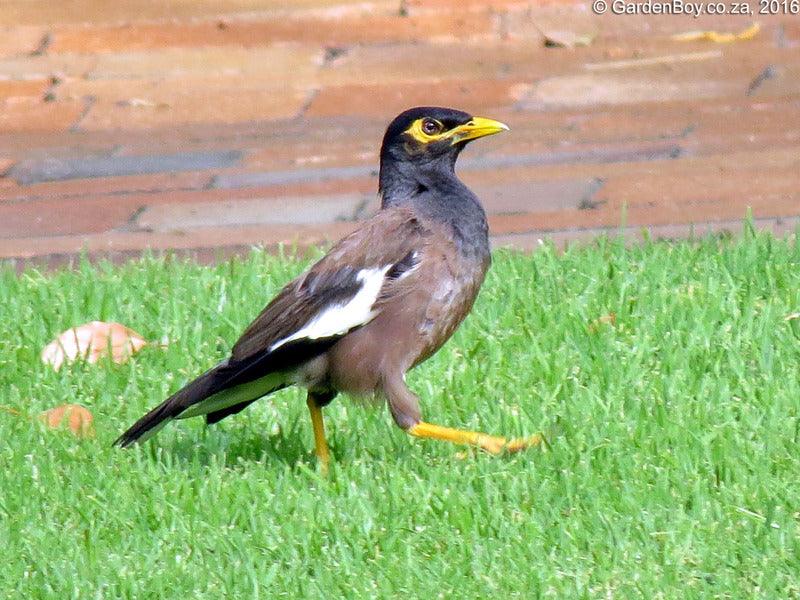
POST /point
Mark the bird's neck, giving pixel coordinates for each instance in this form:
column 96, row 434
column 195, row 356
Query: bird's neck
column 439, row 195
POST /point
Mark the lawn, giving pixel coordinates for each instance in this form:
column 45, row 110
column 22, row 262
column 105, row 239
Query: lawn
column 666, row 377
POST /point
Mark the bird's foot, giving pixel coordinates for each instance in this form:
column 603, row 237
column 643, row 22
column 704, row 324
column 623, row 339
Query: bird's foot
column 523, row 443
column 498, row 445
column 490, row 443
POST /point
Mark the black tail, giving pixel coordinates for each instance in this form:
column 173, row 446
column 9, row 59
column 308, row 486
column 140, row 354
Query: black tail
column 227, row 374
column 198, row 390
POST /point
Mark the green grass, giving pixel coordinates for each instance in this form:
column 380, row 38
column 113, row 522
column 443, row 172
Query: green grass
column 674, row 468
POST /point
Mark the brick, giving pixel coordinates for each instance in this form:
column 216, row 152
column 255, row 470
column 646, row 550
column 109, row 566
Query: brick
column 423, row 63
column 259, row 211
column 19, row 12
column 780, row 160
column 588, row 154
column 654, row 214
column 59, row 144
column 46, row 66
column 25, row 115
column 383, row 99
column 108, row 166
column 561, row 238
column 350, row 141
column 36, row 219
column 781, row 81
column 158, row 93
column 558, row 21
column 150, row 183
column 186, row 107
column 426, row 6
column 5, row 165
column 266, row 178
column 19, row 41
column 133, row 203
column 112, row 243
column 601, row 89
column 275, row 65
column 690, row 126
column 789, row 33
column 314, row 154
column 537, row 196
column 335, row 31
column 657, row 72
column 298, row 187
column 694, row 190
column 28, row 88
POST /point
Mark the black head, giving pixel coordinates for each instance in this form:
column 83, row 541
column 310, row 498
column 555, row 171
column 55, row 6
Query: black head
column 424, row 142
column 431, row 133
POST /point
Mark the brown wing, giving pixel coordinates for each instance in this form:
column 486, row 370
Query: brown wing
column 389, row 239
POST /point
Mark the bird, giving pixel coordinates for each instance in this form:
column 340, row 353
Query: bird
column 383, row 299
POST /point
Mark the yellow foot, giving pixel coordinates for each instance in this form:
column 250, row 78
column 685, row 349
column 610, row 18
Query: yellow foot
column 523, row 443
column 491, row 443
column 498, row 445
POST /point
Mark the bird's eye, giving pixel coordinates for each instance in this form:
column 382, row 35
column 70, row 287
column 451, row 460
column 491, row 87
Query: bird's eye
column 431, row 127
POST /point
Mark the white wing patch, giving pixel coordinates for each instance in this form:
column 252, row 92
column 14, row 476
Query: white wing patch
column 338, row 319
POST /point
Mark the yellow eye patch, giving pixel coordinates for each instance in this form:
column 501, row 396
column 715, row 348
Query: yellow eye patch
column 428, row 130
column 434, row 130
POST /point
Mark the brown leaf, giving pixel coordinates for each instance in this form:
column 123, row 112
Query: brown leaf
column 76, row 417
column 609, row 319
column 91, row 342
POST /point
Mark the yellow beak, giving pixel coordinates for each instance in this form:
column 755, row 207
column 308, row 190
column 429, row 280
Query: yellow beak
column 477, row 127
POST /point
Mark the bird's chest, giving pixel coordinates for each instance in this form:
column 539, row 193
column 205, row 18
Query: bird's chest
column 450, row 300
column 428, row 306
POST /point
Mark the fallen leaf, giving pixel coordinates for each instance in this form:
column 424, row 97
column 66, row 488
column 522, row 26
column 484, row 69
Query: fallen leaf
column 77, row 418
column 792, row 317
column 718, row 37
column 92, row 342
column 609, row 319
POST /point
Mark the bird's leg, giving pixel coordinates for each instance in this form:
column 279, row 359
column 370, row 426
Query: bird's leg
column 490, row 443
column 404, row 406
column 320, row 445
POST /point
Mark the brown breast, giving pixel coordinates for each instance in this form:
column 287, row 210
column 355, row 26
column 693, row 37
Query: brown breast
column 415, row 318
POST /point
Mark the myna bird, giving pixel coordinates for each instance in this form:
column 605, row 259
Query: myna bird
column 384, row 299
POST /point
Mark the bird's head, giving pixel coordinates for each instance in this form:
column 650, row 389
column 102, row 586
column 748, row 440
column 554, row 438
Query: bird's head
column 430, row 136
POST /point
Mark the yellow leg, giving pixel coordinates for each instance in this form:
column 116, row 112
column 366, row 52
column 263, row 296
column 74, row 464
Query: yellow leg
column 490, row 443
column 321, row 446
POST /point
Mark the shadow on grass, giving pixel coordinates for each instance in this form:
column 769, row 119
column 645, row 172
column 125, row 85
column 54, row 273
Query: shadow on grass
column 236, row 448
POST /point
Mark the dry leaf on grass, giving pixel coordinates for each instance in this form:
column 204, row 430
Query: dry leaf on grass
column 92, row 341
column 718, row 37
column 74, row 416
column 609, row 319
column 792, row 316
